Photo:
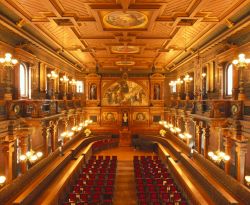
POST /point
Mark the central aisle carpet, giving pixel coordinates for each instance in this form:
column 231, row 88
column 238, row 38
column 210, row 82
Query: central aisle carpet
column 125, row 192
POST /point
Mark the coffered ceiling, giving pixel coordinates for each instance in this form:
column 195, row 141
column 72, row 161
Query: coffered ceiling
column 119, row 35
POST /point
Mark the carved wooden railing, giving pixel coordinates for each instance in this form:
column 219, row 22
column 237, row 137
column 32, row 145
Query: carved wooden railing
column 210, row 108
column 38, row 108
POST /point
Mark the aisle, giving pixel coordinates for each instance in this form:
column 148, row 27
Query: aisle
column 125, row 192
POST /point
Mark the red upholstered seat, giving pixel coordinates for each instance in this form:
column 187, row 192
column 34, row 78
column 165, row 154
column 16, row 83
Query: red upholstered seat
column 72, row 197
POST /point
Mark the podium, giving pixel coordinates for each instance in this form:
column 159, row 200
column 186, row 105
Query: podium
column 125, row 138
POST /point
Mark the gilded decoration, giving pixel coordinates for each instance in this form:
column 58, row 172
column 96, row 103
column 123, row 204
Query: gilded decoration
column 125, row 63
column 125, row 92
column 125, row 49
column 125, row 20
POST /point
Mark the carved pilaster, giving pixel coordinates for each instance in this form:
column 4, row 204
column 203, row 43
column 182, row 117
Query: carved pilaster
column 53, row 132
column 198, row 131
column 241, row 149
column 187, row 129
column 45, row 134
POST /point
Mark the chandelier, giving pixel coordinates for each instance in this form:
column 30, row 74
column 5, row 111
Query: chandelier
column 72, row 82
column 218, row 156
column 7, row 61
column 187, row 78
column 31, row 156
column 64, row 79
column 242, row 61
column 52, row 75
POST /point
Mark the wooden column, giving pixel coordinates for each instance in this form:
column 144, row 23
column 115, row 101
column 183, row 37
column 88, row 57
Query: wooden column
column 198, row 135
column 54, row 137
column 241, row 149
column 187, row 129
column 45, row 135
column 206, row 135
column 24, row 148
column 228, row 146
column 6, row 155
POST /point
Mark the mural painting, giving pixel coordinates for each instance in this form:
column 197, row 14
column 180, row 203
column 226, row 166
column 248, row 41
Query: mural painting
column 125, row 92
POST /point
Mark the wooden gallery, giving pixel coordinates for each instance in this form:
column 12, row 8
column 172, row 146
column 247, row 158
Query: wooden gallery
column 124, row 102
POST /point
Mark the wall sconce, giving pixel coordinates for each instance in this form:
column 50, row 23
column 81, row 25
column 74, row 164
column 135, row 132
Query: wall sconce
column 52, row 75
column 2, row 181
column 247, row 178
column 7, row 61
column 31, row 156
column 240, row 64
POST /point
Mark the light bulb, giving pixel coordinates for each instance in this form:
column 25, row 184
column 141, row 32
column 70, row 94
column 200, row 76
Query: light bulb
column 22, row 157
column 28, row 154
column 33, row 158
column 2, row 179
column 210, row 154
column 235, row 62
column 39, row 154
column 14, row 61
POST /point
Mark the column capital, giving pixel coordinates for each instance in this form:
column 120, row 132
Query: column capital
column 241, row 148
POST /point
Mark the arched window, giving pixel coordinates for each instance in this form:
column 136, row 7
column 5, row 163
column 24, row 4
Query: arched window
column 79, row 86
column 23, row 80
column 229, row 80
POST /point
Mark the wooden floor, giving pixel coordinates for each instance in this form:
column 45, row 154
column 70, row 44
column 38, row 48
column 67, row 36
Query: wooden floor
column 125, row 189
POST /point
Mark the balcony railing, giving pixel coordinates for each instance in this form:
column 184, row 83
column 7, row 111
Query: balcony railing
column 37, row 108
column 210, row 108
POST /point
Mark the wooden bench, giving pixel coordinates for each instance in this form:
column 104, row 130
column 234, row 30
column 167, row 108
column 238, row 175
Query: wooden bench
column 174, row 150
column 60, row 184
column 216, row 191
column 38, row 184
column 187, row 186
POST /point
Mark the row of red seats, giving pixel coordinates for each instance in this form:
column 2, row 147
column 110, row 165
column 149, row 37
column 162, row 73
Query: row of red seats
column 154, row 183
column 94, row 186
column 102, row 143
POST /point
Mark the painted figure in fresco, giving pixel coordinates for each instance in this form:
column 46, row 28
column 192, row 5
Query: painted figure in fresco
column 125, row 92
column 93, row 94
column 125, row 119
column 157, row 92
